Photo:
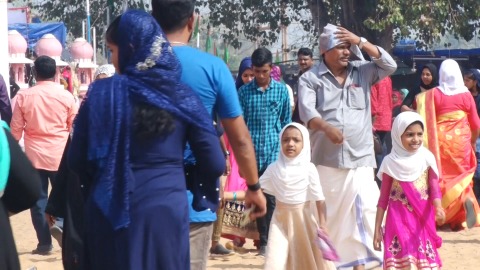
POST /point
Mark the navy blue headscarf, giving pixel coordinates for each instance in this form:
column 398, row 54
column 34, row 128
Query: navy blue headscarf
column 434, row 72
column 149, row 73
column 476, row 74
column 244, row 65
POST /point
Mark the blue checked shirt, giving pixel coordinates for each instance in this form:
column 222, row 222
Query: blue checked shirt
column 266, row 113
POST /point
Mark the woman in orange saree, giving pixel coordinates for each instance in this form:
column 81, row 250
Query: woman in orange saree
column 452, row 126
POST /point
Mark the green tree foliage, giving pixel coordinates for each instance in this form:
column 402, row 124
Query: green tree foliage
column 376, row 20
column 73, row 12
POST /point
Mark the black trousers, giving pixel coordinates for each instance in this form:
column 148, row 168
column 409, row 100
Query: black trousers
column 263, row 223
column 384, row 136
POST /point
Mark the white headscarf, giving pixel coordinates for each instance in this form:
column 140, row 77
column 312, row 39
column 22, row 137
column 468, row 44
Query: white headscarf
column 328, row 41
column 294, row 166
column 450, row 78
column 287, row 176
column 401, row 164
column 107, row 69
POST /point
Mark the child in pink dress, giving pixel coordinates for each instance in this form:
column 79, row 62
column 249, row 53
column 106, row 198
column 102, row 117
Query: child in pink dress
column 410, row 191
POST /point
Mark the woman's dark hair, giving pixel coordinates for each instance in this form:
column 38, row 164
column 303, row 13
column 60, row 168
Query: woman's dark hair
column 112, row 34
column 148, row 120
column 416, row 122
column 472, row 75
column 469, row 74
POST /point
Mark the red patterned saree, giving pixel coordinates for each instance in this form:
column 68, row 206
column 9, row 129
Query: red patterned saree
column 448, row 137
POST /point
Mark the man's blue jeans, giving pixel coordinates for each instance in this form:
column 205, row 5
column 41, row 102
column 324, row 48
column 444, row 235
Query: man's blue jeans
column 38, row 211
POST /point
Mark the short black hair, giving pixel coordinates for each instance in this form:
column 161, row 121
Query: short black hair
column 305, row 52
column 172, row 14
column 262, row 56
column 45, row 67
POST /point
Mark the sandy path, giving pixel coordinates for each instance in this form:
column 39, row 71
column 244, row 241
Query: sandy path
column 460, row 251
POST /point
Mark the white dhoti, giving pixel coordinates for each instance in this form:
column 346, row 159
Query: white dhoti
column 351, row 196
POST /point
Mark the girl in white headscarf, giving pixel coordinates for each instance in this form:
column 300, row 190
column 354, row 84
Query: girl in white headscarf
column 410, row 191
column 104, row 71
column 294, row 182
column 452, row 127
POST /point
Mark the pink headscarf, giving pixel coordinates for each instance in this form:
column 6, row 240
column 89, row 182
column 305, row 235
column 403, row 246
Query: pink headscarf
column 399, row 98
column 276, row 73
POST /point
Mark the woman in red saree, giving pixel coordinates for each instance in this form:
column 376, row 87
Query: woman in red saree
column 452, row 126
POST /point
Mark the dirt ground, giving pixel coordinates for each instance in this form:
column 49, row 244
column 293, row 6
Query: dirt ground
column 460, row 250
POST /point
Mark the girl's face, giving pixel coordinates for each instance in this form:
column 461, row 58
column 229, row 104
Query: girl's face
column 114, row 51
column 101, row 76
column 469, row 83
column 247, row 76
column 412, row 138
column 292, row 142
column 394, row 99
column 426, row 76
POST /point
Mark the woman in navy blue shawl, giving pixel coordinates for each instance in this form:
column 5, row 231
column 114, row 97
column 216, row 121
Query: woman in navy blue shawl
column 244, row 65
column 127, row 148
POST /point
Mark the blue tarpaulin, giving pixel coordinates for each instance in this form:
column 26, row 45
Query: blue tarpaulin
column 32, row 32
column 406, row 47
column 438, row 53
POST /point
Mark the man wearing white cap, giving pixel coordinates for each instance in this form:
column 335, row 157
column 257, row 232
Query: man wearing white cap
column 334, row 103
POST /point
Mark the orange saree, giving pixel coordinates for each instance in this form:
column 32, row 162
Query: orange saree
column 448, row 137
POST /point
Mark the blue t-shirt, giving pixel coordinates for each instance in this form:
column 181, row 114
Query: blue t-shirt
column 210, row 78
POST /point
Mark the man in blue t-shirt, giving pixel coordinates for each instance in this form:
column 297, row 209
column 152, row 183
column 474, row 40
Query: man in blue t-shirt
column 210, row 78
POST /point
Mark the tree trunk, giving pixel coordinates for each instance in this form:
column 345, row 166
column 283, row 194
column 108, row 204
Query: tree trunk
column 319, row 15
column 354, row 13
column 383, row 39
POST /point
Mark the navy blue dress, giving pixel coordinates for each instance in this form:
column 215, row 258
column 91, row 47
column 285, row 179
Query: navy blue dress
column 158, row 234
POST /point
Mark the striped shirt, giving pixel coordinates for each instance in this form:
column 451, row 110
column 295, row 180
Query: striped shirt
column 266, row 113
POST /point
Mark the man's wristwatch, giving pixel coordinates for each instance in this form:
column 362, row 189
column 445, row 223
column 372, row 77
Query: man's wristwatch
column 254, row 187
column 362, row 42
column 226, row 153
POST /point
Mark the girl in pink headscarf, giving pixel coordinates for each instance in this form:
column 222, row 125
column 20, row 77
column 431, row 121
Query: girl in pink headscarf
column 276, row 74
